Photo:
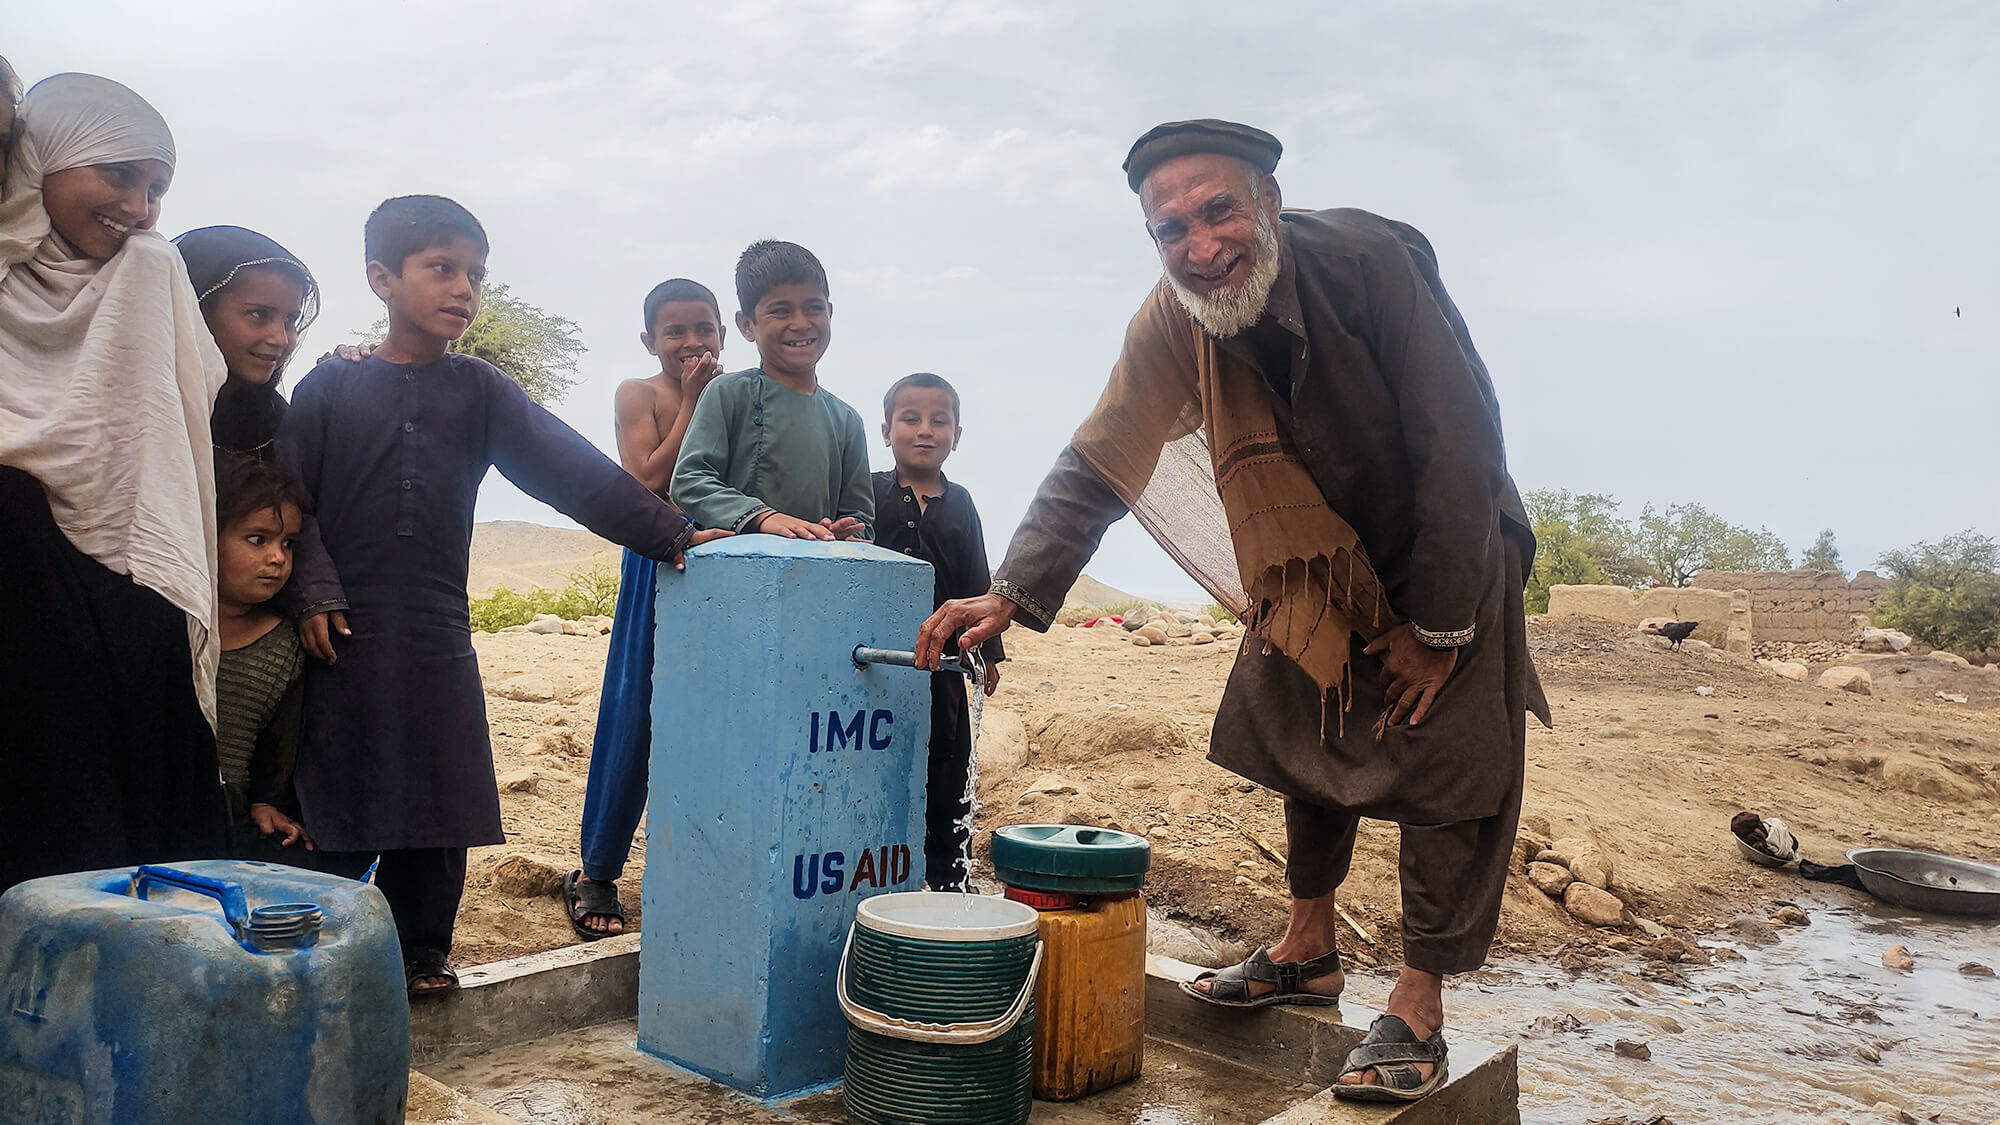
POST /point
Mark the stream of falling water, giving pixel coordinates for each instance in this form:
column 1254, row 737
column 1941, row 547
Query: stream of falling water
column 975, row 661
column 1810, row 1028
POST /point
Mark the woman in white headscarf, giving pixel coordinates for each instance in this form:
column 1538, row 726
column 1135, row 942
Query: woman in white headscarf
column 107, row 499
column 10, row 101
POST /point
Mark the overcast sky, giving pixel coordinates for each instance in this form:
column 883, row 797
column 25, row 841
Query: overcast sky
column 1710, row 251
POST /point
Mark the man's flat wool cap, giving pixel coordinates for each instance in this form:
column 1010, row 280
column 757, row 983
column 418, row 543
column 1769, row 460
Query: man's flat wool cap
column 1179, row 138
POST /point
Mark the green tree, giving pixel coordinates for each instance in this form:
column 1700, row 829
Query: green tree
column 1946, row 593
column 535, row 348
column 1822, row 555
column 1685, row 539
column 1579, row 540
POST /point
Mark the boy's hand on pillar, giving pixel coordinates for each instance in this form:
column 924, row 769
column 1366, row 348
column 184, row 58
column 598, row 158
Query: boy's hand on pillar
column 706, row 535
column 847, row 527
column 792, row 527
column 978, row 619
column 316, row 634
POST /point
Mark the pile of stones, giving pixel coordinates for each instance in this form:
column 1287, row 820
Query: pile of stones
column 1575, row 872
column 595, row 625
column 1168, row 627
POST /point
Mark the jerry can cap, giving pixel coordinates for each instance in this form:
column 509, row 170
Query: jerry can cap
column 1070, row 858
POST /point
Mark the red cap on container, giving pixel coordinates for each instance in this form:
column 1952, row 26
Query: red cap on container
column 1042, row 900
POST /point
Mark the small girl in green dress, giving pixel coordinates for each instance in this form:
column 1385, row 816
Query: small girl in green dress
column 258, row 687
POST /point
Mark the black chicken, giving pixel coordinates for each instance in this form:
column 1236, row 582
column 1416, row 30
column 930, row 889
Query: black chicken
column 1678, row 631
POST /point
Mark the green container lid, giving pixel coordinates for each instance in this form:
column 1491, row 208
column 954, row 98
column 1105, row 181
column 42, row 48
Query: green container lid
column 1070, row 858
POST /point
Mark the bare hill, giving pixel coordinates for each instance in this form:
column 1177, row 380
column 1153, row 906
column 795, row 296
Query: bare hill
column 1090, row 592
column 517, row 554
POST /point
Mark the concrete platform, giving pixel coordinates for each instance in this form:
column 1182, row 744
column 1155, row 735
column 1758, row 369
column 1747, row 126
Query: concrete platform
column 599, row 1075
column 550, row 1039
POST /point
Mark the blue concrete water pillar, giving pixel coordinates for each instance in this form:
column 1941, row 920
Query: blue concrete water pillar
column 787, row 786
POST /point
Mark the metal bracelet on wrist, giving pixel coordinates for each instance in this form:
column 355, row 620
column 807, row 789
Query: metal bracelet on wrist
column 1457, row 638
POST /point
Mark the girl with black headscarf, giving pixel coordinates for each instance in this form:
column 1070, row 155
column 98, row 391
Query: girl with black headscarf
column 257, row 298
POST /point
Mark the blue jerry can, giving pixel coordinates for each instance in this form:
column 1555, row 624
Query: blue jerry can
column 212, row 992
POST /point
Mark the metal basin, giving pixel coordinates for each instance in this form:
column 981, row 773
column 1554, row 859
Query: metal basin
column 1926, row 881
column 1755, row 854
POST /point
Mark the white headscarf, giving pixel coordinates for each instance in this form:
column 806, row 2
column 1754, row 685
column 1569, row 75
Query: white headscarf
column 107, row 371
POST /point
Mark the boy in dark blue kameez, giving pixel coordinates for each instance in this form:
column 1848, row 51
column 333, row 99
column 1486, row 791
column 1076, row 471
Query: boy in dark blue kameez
column 920, row 513
column 395, row 760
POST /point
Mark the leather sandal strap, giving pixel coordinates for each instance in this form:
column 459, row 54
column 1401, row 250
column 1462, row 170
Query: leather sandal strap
column 1391, row 1044
column 1398, row 1076
column 1232, row 985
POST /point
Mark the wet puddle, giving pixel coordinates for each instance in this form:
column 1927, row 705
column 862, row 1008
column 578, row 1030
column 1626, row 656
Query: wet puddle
column 1811, row 1028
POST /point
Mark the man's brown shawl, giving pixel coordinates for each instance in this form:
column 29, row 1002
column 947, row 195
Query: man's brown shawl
column 1188, row 436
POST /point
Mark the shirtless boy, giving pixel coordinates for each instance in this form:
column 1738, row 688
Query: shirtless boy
column 685, row 331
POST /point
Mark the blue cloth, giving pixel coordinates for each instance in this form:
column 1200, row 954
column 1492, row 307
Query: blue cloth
column 615, row 796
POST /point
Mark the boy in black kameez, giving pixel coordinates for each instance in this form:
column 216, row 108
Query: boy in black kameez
column 390, row 451
column 920, row 513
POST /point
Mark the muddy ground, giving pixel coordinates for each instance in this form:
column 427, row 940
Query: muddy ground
column 1088, row 728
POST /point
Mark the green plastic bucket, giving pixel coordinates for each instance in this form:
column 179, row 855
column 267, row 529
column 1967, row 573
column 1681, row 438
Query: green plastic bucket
column 939, row 993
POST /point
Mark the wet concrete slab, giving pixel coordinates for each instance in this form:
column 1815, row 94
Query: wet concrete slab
column 434, row 1103
column 550, row 1039
column 598, row 1076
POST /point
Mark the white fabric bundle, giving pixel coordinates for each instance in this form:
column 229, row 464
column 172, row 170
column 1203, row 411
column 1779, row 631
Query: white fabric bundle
column 1779, row 841
column 107, row 371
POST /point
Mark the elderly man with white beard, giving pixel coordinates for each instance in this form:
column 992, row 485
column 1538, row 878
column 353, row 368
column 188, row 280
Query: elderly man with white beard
column 1299, row 417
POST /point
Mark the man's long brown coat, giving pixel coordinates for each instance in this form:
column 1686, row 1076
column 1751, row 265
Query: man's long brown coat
column 1392, row 411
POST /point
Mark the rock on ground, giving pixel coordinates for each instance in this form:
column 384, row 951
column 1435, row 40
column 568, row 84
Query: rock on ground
column 1091, row 735
column 1592, row 906
column 1898, row 957
column 1677, row 950
column 1185, row 941
column 1550, row 878
column 1053, row 785
column 1884, row 640
column 1790, row 670
column 1003, row 744
column 527, row 689
column 521, row 875
column 1846, row 677
column 1592, row 867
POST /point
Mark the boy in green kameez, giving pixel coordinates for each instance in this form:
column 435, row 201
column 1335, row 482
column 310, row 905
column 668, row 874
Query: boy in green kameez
column 770, row 449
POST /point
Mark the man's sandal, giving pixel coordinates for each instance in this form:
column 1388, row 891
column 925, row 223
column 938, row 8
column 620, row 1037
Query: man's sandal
column 1391, row 1049
column 1230, row 987
column 584, row 899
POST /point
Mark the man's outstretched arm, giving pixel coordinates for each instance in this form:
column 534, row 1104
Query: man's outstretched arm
column 1059, row 534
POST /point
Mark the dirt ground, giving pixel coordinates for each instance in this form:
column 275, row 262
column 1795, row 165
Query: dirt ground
column 1089, row 728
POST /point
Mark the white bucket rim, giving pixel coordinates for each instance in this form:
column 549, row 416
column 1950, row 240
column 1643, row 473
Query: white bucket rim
column 928, row 916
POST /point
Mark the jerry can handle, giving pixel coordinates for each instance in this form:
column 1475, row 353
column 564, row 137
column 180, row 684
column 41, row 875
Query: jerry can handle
column 235, row 908
column 915, row 1031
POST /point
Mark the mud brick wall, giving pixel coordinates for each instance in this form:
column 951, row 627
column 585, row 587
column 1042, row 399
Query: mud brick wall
column 1723, row 617
column 1802, row 605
